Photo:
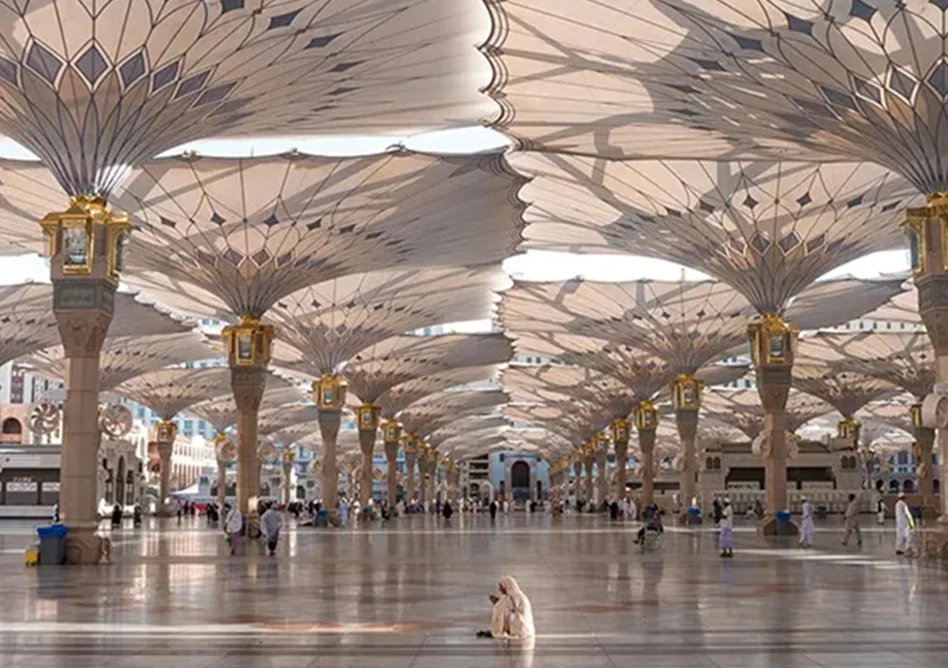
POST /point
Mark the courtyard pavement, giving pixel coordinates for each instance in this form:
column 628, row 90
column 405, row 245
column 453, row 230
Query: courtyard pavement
column 411, row 593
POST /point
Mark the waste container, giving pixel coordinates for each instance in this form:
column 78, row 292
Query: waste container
column 783, row 522
column 322, row 518
column 52, row 544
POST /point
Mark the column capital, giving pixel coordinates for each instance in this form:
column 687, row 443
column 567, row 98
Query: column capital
column 249, row 343
column 329, row 393
column 646, row 416
column 686, row 392
column 773, row 341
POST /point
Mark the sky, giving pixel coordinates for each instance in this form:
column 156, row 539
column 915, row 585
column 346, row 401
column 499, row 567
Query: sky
column 533, row 265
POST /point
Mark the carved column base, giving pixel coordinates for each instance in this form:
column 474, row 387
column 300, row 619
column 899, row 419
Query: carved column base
column 768, row 527
column 85, row 548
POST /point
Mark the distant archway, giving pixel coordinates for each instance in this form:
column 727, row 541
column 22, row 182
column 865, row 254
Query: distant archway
column 936, row 486
column 908, row 487
column 894, row 486
column 520, row 475
column 12, row 426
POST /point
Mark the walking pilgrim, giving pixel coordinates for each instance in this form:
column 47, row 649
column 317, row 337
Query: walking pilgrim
column 807, row 528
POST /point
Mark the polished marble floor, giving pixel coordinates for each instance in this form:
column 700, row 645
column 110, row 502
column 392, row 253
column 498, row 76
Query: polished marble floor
column 410, row 594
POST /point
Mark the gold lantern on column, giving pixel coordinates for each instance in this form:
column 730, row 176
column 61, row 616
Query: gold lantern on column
column 367, row 417
column 927, row 231
column 87, row 238
column 330, row 392
column 248, row 343
column 601, row 442
column 686, row 392
column 773, row 341
column 166, row 431
column 849, row 428
column 917, row 416
column 391, row 431
column 646, row 415
column 620, row 430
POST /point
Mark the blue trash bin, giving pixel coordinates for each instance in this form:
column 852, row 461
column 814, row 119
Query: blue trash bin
column 52, row 544
column 783, row 522
column 322, row 518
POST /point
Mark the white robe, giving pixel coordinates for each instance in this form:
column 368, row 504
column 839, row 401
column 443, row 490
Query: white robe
column 512, row 615
column 807, row 528
column 234, row 522
column 633, row 510
column 904, row 523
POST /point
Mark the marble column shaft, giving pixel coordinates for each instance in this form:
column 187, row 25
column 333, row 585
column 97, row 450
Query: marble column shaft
column 647, row 446
column 367, row 445
column 248, row 384
column 391, row 474
column 329, row 423
column 165, row 450
column 773, row 385
column 601, row 479
column 687, row 423
column 221, row 484
column 622, row 469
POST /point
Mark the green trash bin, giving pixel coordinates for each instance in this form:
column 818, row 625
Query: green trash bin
column 52, row 544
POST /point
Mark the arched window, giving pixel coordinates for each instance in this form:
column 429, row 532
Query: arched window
column 12, row 426
column 709, row 464
column 908, row 487
column 520, row 475
column 717, row 463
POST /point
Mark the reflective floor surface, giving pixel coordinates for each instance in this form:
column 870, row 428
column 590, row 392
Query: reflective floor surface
column 412, row 593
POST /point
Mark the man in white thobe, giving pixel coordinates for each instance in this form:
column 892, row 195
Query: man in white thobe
column 807, row 528
column 904, row 525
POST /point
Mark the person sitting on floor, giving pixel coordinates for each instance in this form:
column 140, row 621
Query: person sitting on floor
column 511, row 614
column 653, row 524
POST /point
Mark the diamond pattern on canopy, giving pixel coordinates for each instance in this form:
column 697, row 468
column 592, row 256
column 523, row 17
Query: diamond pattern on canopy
column 94, row 87
column 466, row 428
column 689, row 324
column 329, row 323
column 125, row 357
column 438, row 410
column 348, row 443
column 767, row 229
column 863, row 79
column 741, row 408
column 561, row 384
column 235, row 236
column 279, row 418
column 27, row 323
column 819, row 369
column 645, row 376
column 894, row 412
column 405, row 394
column 221, row 412
column 387, row 364
column 905, row 359
column 170, row 391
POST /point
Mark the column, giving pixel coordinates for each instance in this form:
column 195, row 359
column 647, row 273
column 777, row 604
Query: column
column 85, row 253
column 686, row 398
column 589, row 460
column 165, row 433
column 367, row 417
column 578, row 475
column 411, row 458
column 423, row 476
column 772, row 347
column 620, row 439
column 330, row 398
column 248, row 345
column 646, row 421
column 391, row 435
column 602, row 491
column 221, row 483
column 288, row 456
column 925, row 469
column 927, row 237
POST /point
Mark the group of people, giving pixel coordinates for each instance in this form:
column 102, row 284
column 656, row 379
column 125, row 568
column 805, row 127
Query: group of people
column 237, row 528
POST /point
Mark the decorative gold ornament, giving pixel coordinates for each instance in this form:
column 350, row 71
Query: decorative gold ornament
column 165, row 431
column 686, row 392
column 772, row 341
column 367, row 417
column 921, row 225
column 601, row 441
column 267, row 453
column 391, row 431
column 409, row 442
column 288, row 456
column 646, row 415
column 620, row 431
column 329, row 392
column 84, row 235
column 225, row 448
column 849, row 428
column 916, row 415
column 249, row 342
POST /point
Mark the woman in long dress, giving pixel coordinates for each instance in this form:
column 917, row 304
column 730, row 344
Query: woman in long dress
column 512, row 614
